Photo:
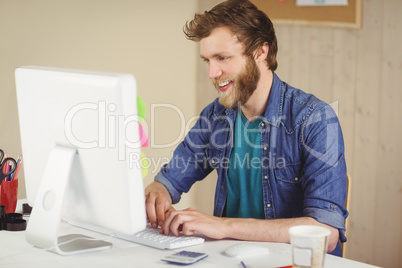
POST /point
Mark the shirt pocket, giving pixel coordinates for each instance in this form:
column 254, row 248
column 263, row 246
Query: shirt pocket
column 289, row 184
column 215, row 158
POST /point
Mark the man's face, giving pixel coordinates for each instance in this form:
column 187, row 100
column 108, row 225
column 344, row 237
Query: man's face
column 233, row 74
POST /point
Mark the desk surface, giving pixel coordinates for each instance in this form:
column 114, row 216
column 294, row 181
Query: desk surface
column 16, row 252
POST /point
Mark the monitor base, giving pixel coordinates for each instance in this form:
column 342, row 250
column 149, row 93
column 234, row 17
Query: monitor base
column 44, row 223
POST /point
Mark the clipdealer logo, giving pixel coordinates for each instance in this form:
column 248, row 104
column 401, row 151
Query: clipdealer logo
column 112, row 130
column 92, row 125
column 328, row 149
column 115, row 130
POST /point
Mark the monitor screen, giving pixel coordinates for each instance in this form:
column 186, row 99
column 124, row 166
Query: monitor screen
column 82, row 152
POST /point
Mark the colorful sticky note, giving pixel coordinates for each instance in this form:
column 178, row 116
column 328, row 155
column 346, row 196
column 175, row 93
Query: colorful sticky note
column 143, row 136
column 141, row 108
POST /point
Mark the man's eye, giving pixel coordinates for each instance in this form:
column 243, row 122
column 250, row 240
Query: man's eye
column 206, row 60
column 223, row 58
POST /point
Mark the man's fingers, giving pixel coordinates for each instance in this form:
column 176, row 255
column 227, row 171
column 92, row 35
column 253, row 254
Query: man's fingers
column 162, row 208
column 175, row 222
column 165, row 227
column 150, row 208
column 157, row 207
column 187, row 228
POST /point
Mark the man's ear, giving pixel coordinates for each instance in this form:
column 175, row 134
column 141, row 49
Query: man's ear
column 262, row 52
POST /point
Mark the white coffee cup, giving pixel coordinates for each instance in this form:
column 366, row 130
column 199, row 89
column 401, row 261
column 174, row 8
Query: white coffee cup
column 309, row 245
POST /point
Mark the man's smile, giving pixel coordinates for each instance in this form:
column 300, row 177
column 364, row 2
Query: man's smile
column 225, row 85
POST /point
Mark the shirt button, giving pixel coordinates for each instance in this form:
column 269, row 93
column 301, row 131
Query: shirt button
column 262, row 124
column 265, row 148
column 296, row 179
column 266, row 177
column 268, row 205
column 213, row 161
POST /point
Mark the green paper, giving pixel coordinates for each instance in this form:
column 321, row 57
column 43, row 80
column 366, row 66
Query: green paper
column 141, row 108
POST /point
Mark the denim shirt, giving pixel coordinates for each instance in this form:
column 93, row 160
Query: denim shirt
column 303, row 162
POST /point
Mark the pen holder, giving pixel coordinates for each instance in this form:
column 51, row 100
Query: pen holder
column 9, row 192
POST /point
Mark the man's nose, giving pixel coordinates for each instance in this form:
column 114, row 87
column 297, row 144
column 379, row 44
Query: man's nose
column 214, row 71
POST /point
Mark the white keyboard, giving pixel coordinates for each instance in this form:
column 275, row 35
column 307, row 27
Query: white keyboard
column 151, row 237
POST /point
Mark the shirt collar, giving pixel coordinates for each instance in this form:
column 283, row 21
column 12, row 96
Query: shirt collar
column 273, row 113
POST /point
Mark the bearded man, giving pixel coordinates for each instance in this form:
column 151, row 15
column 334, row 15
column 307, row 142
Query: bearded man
column 278, row 151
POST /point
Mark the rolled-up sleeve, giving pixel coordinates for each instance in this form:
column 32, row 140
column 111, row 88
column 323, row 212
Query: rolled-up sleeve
column 328, row 217
column 324, row 180
column 171, row 189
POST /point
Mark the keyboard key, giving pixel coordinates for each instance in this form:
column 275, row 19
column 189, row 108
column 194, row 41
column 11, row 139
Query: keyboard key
column 151, row 237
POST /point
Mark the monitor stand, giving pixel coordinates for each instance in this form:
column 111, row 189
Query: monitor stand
column 43, row 226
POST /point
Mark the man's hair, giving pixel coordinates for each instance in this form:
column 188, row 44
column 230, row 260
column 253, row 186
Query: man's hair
column 251, row 26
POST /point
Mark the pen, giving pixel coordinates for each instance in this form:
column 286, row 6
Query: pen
column 11, row 177
column 242, row 264
column 12, row 174
column 15, row 174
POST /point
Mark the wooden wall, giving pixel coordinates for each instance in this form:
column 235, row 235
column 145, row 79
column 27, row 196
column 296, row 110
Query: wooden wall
column 360, row 71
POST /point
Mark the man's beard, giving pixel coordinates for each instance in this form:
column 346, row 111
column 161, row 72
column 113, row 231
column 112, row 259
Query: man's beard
column 243, row 85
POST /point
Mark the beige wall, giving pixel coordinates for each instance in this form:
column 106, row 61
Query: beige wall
column 140, row 37
column 362, row 70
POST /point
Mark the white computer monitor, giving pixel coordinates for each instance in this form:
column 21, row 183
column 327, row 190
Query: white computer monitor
column 81, row 150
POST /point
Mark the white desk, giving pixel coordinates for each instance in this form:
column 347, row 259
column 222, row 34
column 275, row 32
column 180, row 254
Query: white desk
column 16, row 252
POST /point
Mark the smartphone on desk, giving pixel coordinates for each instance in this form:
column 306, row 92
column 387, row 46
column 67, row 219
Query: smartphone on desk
column 185, row 257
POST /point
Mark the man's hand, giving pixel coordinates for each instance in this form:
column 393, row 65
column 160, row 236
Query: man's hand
column 190, row 221
column 158, row 203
